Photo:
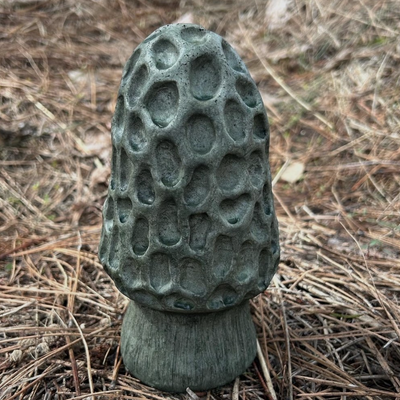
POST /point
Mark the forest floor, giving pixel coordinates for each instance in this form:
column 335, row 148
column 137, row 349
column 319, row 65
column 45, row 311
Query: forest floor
column 329, row 74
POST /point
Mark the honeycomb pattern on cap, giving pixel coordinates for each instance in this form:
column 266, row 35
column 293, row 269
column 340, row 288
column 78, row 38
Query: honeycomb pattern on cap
column 189, row 222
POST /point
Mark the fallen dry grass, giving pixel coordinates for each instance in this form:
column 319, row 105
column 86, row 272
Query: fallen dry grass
column 329, row 74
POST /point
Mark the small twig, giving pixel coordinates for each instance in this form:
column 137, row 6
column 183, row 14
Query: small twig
column 235, row 391
column 287, row 337
column 117, row 364
column 73, row 366
column 192, row 395
column 89, row 369
column 280, row 173
column 264, row 368
column 264, row 385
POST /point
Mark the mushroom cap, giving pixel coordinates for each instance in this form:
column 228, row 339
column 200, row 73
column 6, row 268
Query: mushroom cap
column 189, row 223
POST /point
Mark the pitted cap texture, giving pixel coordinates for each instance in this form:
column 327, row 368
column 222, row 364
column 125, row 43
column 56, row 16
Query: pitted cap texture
column 189, row 222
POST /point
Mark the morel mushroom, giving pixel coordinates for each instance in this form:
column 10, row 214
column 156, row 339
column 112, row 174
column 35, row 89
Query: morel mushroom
column 189, row 228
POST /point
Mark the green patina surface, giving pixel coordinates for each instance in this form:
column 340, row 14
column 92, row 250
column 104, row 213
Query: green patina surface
column 189, row 226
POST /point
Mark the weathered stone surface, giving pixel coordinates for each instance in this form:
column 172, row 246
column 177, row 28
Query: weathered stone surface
column 165, row 350
column 190, row 161
column 189, row 226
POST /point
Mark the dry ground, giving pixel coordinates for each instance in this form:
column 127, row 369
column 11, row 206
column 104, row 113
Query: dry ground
column 329, row 71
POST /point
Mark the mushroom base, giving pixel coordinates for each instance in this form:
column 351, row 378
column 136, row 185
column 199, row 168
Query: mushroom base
column 172, row 351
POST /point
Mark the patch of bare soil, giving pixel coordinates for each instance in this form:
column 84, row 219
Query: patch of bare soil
column 329, row 72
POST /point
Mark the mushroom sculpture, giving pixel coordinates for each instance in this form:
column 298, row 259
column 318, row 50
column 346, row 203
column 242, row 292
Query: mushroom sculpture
column 189, row 228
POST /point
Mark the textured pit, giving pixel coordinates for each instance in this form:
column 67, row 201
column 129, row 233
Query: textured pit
column 162, row 103
column 232, row 57
column 256, row 169
column 125, row 170
column 194, row 35
column 140, row 236
column 137, row 83
column 136, row 133
column 114, row 168
column 260, row 127
column 224, row 296
column 233, row 211
column 231, row 173
column 200, row 133
column 160, row 274
column 204, row 77
column 200, row 226
column 234, row 120
column 115, row 244
column 259, row 228
column 124, row 207
column 144, row 187
column 118, row 120
column 247, row 91
column 267, row 200
column 246, row 263
column 130, row 65
column 165, row 54
column 223, row 256
column 198, row 188
column 168, row 163
column 109, row 214
column 191, row 271
column 168, row 227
